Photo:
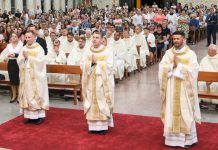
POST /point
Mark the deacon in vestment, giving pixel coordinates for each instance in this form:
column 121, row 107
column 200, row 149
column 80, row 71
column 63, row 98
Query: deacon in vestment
column 178, row 72
column 120, row 52
column 98, row 86
column 33, row 89
column 56, row 56
column 209, row 64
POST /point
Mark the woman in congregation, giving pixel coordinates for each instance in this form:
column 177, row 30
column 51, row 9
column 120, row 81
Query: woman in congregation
column 10, row 55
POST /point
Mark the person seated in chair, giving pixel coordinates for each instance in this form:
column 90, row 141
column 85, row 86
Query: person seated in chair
column 210, row 64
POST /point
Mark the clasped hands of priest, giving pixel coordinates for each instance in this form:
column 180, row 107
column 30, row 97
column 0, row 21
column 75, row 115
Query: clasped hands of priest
column 176, row 61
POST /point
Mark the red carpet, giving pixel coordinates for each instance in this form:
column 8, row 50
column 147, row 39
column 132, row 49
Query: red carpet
column 66, row 129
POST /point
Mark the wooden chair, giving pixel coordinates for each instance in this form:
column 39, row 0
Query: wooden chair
column 62, row 69
column 208, row 77
column 3, row 45
column 67, row 69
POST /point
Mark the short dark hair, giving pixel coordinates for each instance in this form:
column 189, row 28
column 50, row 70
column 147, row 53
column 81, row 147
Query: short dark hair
column 30, row 31
column 179, row 33
column 97, row 32
column 70, row 33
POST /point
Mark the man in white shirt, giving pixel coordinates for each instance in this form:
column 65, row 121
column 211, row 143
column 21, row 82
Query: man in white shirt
column 151, row 43
column 138, row 18
column 172, row 20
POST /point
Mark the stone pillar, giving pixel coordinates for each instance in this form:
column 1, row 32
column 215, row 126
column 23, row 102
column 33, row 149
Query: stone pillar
column 69, row 4
column 38, row 3
column 63, row 5
column 47, row 5
column 1, row 5
column 57, row 5
column 8, row 5
column 31, row 6
column 19, row 5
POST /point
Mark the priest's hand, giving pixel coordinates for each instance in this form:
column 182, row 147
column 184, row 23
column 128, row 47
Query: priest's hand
column 176, row 61
column 25, row 54
column 208, row 83
column 94, row 59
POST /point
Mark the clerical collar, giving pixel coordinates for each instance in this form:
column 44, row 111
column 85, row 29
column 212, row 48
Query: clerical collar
column 34, row 45
column 180, row 51
column 100, row 49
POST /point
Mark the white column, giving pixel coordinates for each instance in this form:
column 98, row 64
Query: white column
column 63, row 5
column 1, row 5
column 31, row 6
column 47, row 5
column 69, row 4
column 8, row 5
column 76, row 3
column 19, row 5
column 38, row 3
column 57, row 5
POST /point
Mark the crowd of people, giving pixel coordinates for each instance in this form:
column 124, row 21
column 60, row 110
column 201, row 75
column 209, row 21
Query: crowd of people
column 106, row 43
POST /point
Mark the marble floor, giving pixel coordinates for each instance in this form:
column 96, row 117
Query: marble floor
column 138, row 94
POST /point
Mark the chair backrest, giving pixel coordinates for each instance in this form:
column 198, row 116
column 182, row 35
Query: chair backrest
column 64, row 69
column 3, row 66
column 208, row 76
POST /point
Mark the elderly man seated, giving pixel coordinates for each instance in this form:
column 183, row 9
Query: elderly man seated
column 210, row 64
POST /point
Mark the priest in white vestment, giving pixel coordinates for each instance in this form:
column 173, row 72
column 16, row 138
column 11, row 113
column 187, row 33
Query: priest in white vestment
column 56, row 56
column 109, row 38
column 98, row 86
column 132, row 54
column 88, row 37
column 33, row 89
column 71, row 43
column 75, row 57
column 141, row 43
column 178, row 72
column 63, row 37
column 119, row 50
column 209, row 64
column 53, row 36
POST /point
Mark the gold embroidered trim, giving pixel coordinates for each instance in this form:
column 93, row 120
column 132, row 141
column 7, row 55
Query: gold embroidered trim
column 176, row 106
column 32, row 46
column 97, row 51
column 183, row 53
column 163, row 92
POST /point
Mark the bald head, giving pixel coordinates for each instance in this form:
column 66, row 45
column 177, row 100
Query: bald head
column 212, row 50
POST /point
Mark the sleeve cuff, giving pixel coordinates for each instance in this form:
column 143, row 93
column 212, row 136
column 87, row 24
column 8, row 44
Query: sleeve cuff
column 178, row 73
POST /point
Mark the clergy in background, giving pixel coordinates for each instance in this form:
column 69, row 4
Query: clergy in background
column 33, row 90
column 70, row 44
column 141, row 45
column 178, row 72
column 63, row 37
column 88, row 37
column 56, row 56
column 75, row 57
column 98, row 86
column 209, row 64
column 120, row 56
column 132, row 54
